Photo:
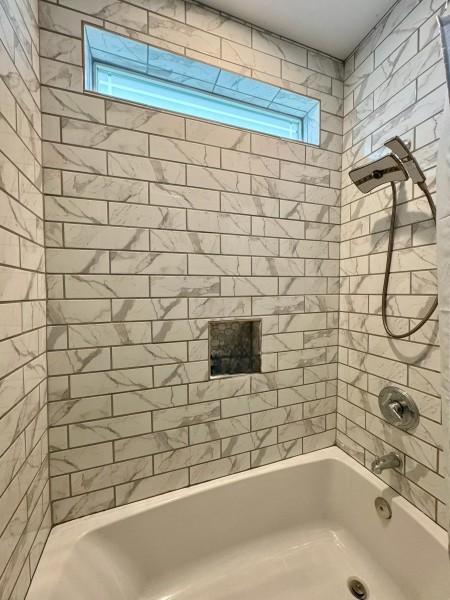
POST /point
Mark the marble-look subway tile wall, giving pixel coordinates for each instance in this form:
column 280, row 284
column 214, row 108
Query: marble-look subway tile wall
column 155, row 224
column 394, row 85
column 24, row 481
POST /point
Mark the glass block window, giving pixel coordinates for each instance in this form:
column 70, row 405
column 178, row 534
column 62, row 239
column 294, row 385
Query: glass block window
column 123, row 68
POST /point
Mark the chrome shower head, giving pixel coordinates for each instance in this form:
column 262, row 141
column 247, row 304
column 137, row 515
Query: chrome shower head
column 393, row 168
column 384, row 170
column 398, row 147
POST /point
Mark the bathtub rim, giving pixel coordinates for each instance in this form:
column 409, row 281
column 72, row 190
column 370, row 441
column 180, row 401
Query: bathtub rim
column 64, row 537
column 73, row 530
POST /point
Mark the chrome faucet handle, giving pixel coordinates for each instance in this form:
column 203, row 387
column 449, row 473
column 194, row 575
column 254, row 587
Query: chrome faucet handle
column 398, row 408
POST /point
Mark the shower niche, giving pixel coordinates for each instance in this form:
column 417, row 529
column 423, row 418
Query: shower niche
column 234, row 347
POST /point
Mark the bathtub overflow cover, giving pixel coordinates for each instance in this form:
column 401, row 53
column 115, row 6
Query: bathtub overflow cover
column 357, row 589
column 383, row 508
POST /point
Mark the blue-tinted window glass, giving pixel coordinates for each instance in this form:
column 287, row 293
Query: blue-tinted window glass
column 122, row 68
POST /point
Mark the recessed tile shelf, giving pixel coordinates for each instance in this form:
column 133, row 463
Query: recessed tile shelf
column 234, row 347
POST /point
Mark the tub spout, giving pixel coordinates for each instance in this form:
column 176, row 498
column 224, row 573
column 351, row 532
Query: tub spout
column 388, row 461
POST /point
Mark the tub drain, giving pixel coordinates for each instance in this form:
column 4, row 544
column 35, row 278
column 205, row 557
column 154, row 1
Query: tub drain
column 357, row 589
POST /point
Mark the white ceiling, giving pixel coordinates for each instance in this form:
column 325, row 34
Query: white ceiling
column 332, row 26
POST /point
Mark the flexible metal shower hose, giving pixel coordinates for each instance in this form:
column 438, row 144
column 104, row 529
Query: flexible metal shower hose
column 423, row 186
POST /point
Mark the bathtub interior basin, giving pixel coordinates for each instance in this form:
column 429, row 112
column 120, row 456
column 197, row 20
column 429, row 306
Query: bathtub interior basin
column 299, row 529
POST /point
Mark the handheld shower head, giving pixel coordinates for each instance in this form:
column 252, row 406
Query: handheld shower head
column 384, row 170
column 398, row 147
column 392, row 168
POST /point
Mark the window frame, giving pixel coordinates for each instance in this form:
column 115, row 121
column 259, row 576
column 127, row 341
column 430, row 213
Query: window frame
column 89, row 68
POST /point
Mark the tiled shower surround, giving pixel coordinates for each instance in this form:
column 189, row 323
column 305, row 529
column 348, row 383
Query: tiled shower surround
column 394, row 85
column 24, row 491
column 156, row 224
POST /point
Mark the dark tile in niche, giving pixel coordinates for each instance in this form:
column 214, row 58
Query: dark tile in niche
column 234, row 347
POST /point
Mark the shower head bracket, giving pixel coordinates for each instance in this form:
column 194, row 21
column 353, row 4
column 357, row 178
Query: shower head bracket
column 402, row 151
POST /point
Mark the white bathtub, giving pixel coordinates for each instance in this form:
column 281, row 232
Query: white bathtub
column 298, row 529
